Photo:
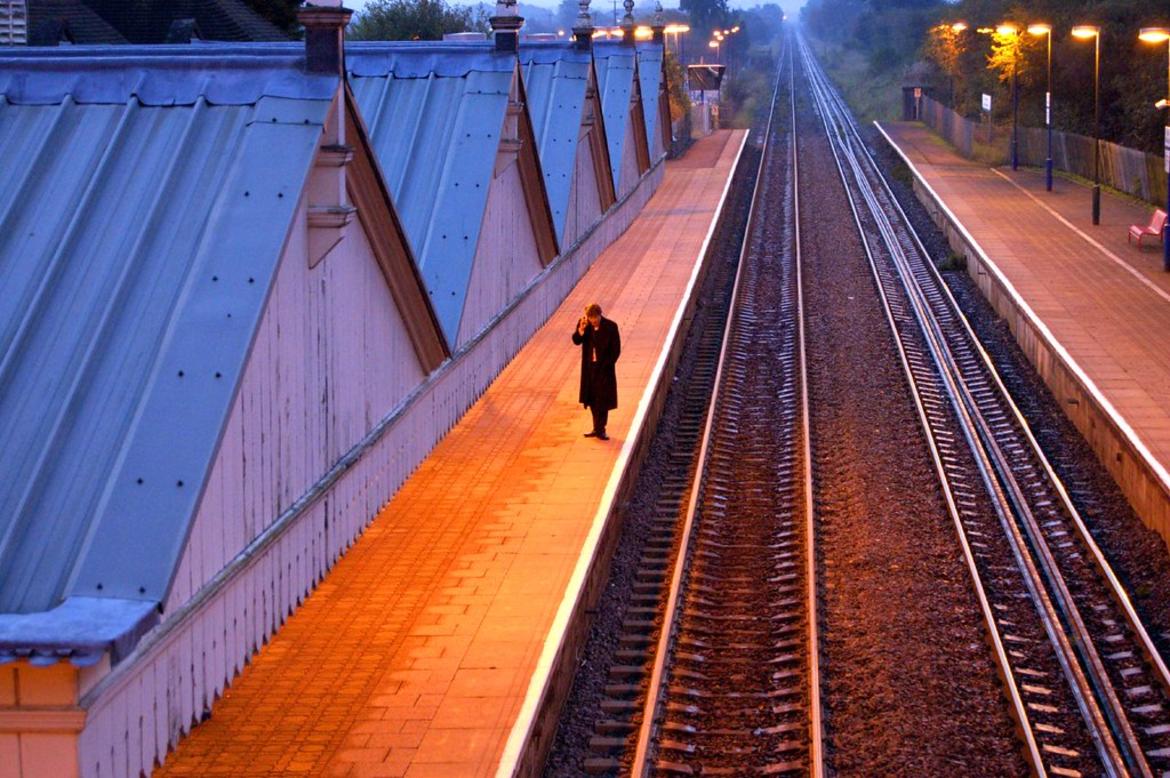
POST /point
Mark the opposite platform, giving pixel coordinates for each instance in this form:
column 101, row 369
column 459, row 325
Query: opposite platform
column 1091, row 311
column 415, row 654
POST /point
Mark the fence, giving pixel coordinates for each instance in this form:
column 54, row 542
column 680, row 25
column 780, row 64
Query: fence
column 1128, row 170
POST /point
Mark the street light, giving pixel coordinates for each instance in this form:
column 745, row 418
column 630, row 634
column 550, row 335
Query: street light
column 1046, row 30
column 714, row 44
column 676, row 30
column 1162, row 35
column 1084, row 32
column 1013, row 32
column 959, row 27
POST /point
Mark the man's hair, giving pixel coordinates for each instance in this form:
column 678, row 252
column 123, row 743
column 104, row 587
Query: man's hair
column 593, row 310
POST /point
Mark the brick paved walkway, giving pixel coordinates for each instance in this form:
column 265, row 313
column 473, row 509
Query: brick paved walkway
column 1106, row 302
column 414, row 655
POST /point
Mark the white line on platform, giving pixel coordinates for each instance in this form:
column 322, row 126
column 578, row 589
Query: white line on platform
column 542, row 674
column 1158, row 469
column 1090, row 240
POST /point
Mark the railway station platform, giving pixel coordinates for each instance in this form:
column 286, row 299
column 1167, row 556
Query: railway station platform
column 1090, row 310
column 427, row 648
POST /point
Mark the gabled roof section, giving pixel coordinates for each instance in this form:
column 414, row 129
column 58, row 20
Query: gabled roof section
column 436, row 118
column 390, row 245
column 557, row 80
column 652, row 78
column 617, row 80
column 145, row 201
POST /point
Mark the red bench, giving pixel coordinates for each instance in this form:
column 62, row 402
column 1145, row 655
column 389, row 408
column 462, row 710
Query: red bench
column 1155, row 228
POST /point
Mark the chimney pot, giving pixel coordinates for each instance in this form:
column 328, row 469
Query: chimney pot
column 506, row 26
column 324, row 37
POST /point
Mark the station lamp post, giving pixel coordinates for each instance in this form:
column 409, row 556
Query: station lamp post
column 1046, row 30
column 1162, row 35
column 714, row 44
column 1085, row 32
column 1012, row 32
column 676, row 30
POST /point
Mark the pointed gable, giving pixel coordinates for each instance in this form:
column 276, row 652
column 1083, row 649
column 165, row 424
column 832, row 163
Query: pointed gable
column 617, row 81
column 437, row 117
column 655, row 99
column 143, row 224
column 562, row 101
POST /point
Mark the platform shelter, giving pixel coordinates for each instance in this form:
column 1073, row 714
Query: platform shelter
column 209, row 307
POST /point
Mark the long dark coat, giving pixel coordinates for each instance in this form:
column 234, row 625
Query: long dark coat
column 598, row 379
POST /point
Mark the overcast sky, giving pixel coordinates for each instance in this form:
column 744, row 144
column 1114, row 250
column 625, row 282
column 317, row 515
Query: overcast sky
column 791, row 6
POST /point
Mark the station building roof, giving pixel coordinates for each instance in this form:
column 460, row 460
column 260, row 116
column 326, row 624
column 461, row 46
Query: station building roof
column 557, row 80
column 652, row 78
column 146, row 196
column 435, row 114
column 617, row 80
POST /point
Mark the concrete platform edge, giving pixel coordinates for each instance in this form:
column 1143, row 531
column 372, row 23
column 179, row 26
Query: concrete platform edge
column 531, row 736
column 1142, row 478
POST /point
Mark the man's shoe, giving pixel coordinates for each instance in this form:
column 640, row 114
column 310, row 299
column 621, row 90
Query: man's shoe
column 602, row 436
column 594, row 434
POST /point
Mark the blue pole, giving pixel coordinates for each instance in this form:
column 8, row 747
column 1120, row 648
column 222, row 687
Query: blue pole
column 1048, row 117
column 1015, row 118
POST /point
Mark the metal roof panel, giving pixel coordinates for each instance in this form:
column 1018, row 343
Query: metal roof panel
column 556, row 81
column 137, row 245
column 650, row 54
column 435, row 114
column 616, row 66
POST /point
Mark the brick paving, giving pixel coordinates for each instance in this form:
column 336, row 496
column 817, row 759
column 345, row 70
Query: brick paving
column 1104, row 300
column 413, row 656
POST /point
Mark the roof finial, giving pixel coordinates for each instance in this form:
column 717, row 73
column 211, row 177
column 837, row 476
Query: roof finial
column 506, row 25
column 628, row 22
column 583, row 25
column 659, row 25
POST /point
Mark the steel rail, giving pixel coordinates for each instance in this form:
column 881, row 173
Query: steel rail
column 1019, row 710
column 1132, row 755
column 973, row 428
column 644, row 750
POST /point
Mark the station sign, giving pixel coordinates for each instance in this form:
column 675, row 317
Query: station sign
column 987, row 103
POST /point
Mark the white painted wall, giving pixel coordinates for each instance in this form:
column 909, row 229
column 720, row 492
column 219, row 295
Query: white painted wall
column 506, row 256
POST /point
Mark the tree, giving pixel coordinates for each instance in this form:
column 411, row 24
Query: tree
column 396, row 20
column 705, row 15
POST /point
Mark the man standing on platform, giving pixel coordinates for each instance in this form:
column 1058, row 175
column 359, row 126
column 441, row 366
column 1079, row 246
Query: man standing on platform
column 601, row 345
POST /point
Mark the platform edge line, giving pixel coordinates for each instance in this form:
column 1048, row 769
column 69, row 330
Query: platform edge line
column 520, row 736
column 1158, row 469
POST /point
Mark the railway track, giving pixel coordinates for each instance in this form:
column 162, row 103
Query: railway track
column 734, row 687
column 1088, row 689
